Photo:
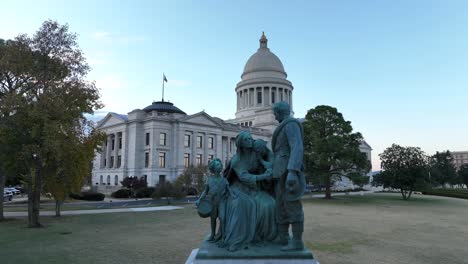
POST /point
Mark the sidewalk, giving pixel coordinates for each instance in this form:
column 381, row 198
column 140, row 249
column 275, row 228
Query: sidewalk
column 97, row 211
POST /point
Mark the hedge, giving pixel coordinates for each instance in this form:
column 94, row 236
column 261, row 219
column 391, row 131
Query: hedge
column 88, row 196
column 122, row 193
column 454, row 193
column 145, row 192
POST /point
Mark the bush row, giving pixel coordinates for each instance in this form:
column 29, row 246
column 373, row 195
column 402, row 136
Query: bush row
column 88, row 196
column 463, row 194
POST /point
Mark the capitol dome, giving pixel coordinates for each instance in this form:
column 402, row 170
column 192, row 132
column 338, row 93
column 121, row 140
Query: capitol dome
column 263, row 63
column 163, row 107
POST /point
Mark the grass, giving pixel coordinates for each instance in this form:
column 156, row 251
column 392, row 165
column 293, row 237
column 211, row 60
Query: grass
column 379, row 228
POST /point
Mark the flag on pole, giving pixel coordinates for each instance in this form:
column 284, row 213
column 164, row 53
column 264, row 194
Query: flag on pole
column 164, row 78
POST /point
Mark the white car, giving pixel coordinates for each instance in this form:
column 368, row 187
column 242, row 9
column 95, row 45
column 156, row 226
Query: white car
column 7, row 195
column 13, row 190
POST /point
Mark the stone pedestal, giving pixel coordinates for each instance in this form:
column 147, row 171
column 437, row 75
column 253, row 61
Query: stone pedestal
column 209, row 253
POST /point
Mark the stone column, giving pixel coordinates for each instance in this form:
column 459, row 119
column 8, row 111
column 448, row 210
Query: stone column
column 219, row 147
column 116, row 149
column 290, row 100
column 109, row 150
column 205, row 148
column 193, row 147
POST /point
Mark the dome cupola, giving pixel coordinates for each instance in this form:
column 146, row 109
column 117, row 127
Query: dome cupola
column 263, row 63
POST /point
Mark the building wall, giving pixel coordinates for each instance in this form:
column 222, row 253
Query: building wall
column 134, row 147
column 460, row 158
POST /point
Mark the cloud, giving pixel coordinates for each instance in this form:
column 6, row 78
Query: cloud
column 101, row 35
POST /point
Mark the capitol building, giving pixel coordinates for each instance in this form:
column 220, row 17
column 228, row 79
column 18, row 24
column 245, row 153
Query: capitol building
column 159, row 141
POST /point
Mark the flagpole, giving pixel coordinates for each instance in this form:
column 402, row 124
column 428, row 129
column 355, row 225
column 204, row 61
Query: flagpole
column 163, row 88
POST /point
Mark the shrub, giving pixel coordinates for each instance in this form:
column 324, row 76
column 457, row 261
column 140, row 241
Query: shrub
column 169, row 191
column 122, row 193
column 145, row 192
column 88, row 196
column 454, row 193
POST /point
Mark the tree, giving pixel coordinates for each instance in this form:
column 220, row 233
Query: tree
column 331, row 149
column 44, row 93
column 404, row 168
column 168, row 190
column 463, row 174
column 193, row 177
column 69, row 170
column 442, row 169
column 134, row 183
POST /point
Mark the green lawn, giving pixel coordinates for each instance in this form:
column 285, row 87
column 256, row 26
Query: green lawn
column 379, row 228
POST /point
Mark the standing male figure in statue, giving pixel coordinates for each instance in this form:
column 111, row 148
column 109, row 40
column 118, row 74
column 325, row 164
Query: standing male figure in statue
column 288, row 149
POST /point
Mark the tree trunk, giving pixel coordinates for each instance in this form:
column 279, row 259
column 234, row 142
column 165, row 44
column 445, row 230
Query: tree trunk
column 409, row 194
column 403, row 193
column 58, row 206
column 328, row 187
column 35, row 196
column 30, row 197
column 2, row 187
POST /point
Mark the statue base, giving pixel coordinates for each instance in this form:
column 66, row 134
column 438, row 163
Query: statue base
column 269, row 253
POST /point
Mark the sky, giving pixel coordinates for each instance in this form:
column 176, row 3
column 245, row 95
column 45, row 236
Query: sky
column 398, row 70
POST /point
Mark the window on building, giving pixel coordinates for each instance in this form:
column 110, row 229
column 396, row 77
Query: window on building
column 112, row 162
column 108, row 179
column 105, row 162
column 120, row 142
column 259, row 97
column 186, row 140
column 199, row 159
column 119, row 161
column 146, row 159
column 162, row 139
column 250, row 123
column 113, row 143
column 101, row 180
column 116, row 180
column 186, row 160
column 199, row 141
column 145, row 177
column 210, row 142
column 147, row 139
column 162, row 179
column 281, row 94
column 273, row 97
column 210, row 158
column 162, row 159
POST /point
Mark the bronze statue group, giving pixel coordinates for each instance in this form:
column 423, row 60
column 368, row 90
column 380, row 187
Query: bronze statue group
column 258, row 196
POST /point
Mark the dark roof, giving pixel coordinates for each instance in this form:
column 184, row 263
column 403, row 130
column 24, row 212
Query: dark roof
column 162, row 106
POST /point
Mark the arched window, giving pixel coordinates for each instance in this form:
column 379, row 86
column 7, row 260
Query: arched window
column 101, row 181
column 108, row 179
column 116, row 180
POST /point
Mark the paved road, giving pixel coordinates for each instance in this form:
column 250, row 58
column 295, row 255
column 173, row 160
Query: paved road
column 103, row 211
column 107, row 203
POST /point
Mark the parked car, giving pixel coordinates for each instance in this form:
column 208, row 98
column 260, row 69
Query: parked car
column 13, row 190
column 7, row 195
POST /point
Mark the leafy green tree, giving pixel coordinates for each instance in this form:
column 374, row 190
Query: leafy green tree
column 134, row 183
column 463, row 174
column 72, row 161
column 193, row 177
column 331, row 149
column 404, row 168
column 44, row 93
column 442, row 169
column 168, row 190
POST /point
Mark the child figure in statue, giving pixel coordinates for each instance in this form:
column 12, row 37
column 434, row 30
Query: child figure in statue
column 213, row 196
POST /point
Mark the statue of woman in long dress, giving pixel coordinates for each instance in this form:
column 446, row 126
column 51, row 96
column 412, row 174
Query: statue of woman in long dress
column 249, row 215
